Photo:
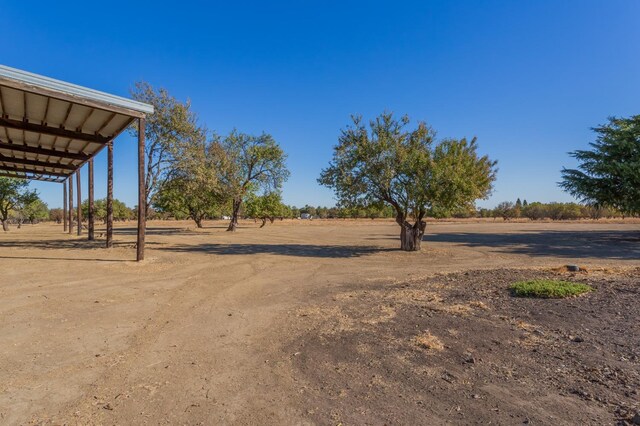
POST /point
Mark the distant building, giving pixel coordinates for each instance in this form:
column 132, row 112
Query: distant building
column 306, row 216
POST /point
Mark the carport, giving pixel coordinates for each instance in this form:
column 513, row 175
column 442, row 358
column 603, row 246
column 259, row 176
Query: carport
column 50, row 129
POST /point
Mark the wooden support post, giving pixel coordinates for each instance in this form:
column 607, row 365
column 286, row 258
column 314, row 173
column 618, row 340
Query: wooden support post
column 79, row 208
column 70, row 204
column 142, row 193
column 110, row 194
column 91, row 218
column 64, row 205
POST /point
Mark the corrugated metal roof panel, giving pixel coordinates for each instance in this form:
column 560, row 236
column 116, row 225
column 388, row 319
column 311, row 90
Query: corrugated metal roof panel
column 73, row 89
column 40, row 129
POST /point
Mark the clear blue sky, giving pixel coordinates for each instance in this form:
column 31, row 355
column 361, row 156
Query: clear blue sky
column 528, row 78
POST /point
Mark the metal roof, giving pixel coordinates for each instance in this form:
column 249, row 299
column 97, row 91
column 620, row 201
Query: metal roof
column 72, row 89
column 50, row 128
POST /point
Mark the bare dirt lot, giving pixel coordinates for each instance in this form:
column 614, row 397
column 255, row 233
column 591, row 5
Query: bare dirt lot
column 459, row 348
column 318, row 323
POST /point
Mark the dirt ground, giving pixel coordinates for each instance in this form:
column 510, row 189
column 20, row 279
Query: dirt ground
column 317, row 323
column 460, row 349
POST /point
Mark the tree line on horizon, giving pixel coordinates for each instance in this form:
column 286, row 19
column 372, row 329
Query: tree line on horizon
column 385, row 168
column 255, row 209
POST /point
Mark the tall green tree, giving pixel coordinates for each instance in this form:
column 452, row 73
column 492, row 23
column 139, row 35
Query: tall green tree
column 14, row 195
column 250, row 163
column 408, row 170
column 193, row 187
column 56, row 215
column 120, row 210
column 186, row 197
column 609, row 174
column 266, row 207
column 35, row 211
column 295, row 212
column 172, row 123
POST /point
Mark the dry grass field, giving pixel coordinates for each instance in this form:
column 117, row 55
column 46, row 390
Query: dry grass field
column 318, row 322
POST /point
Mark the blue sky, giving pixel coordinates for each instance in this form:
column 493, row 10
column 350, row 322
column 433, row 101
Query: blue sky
column 528, row 78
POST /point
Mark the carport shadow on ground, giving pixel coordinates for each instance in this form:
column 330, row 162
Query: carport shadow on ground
column 83, row 244
column 621, row 245
column 65, row 244
column 299, row 250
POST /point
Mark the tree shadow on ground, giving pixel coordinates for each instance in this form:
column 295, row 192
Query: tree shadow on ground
column 622, row 245
column 151, row 230
column 299, row 250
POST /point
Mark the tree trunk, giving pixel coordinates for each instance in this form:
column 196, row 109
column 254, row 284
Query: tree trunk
column 411, row 236
column 264, row 222
column 198, row 222
column 5, row 225
column 234, row 215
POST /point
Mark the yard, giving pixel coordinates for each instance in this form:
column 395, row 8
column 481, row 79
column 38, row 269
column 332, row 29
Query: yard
column 319, row 322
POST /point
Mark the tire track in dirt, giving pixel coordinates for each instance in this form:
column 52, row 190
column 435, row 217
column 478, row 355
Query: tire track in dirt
column 147, row 373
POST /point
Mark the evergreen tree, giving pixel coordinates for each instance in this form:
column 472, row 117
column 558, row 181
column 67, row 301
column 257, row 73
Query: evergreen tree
column 609, row 174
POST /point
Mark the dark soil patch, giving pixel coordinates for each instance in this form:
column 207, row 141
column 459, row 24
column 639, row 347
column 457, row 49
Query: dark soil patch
column 460, row 349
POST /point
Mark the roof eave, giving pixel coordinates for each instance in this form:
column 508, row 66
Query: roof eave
column 52, row 86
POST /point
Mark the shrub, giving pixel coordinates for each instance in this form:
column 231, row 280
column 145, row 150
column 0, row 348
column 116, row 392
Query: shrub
column 548, row 289
column 506, row 210
column 535, row 211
